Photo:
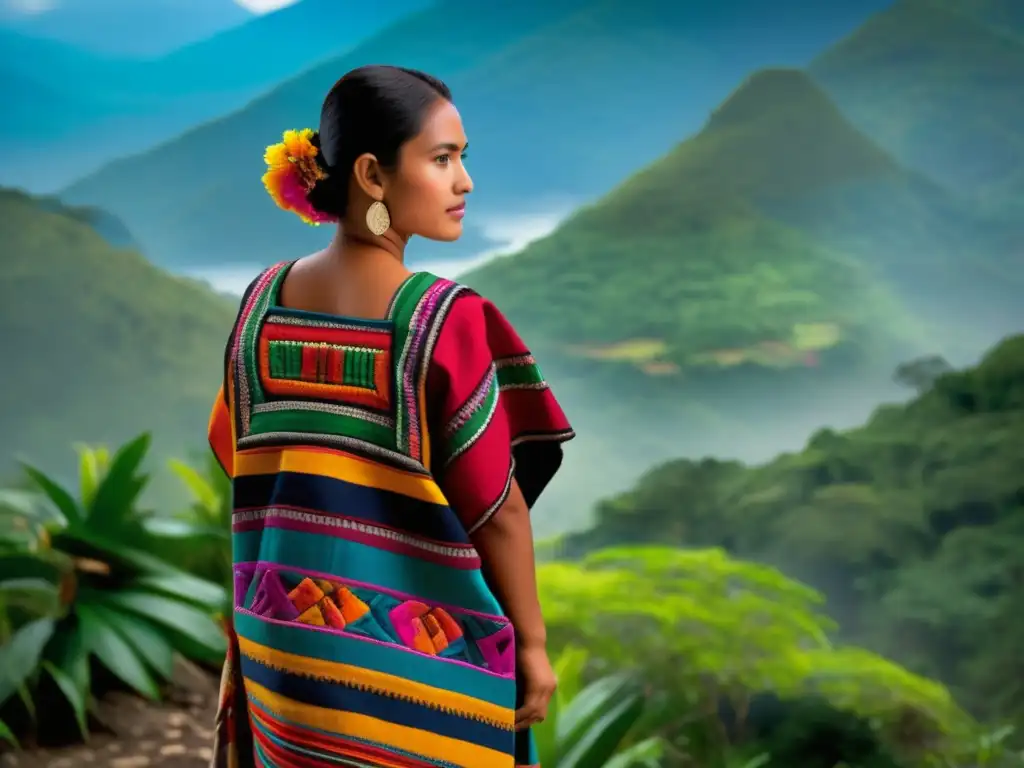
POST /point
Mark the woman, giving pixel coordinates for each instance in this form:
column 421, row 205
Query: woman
column 386, row 432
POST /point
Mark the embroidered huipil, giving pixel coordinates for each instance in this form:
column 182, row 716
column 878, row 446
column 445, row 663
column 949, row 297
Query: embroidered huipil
column 363, row 454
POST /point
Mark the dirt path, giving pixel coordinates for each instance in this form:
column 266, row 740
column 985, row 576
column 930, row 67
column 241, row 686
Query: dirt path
column 175, row 733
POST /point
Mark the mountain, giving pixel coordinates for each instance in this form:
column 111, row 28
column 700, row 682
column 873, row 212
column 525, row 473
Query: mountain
column 560, row 100
column 938, row 84
column 778, row 236
column 107, row 226
column 97, row 343
column 123, row 27
column 52, row 89
column 68, row 110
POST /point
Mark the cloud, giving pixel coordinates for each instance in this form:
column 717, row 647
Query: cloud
column 257, row 6
column 29, row 7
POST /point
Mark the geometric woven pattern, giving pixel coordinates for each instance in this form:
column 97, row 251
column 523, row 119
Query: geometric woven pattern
column 322, row 363
column 285, row 595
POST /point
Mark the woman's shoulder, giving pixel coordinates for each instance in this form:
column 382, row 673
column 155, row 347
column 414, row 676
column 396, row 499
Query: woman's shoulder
column 264, row 282
column 426, row 299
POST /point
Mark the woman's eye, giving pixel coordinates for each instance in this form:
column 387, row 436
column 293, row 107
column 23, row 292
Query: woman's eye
column 447, row 158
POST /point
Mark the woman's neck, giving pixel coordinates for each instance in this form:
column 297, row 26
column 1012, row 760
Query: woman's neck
column 361, row 244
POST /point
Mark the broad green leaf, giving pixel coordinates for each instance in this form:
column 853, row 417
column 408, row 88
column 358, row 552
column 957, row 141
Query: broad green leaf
column 7, row 735
column 19, row 533
column 590, row 705
column 147, row 640
column 68, row 652
column 177, row 528
column 107, row 644
column 185, row 620
column 37, row 596
column 75, row 696
column 25, row 503
column 116, row 495
column 202, row 490
column 24, row 565
column 59, row 497
column 569, row 672
column 186, row 587
column 202, row 653
column 647, row 753
column 91, row 467
column 19, row 657
column 598, row 744
column 115, row 551
column 25, row 695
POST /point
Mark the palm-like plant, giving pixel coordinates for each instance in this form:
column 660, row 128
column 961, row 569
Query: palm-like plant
column 79, row 578
column 587, row 725
column 198, row 538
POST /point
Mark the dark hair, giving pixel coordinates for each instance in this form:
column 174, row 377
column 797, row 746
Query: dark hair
column 376, row 109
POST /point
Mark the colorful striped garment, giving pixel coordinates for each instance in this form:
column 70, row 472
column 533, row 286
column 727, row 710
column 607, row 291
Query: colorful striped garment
column 363, row 455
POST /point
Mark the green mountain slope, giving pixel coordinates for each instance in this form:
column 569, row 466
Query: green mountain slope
column 938, row 84
column 98, row 344
column 548, row 91
column 912, row 524
column 768, row 236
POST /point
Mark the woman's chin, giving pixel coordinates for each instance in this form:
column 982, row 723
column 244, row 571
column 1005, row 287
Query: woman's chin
column 449, row 233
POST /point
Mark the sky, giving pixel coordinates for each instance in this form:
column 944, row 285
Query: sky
column 130, row 27
column 261, row 6
column 32, row 7
column 29, row 7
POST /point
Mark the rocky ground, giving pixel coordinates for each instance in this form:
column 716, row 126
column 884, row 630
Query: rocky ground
column 132, row 733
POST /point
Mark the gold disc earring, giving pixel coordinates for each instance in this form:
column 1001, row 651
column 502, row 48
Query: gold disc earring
column 377, row 218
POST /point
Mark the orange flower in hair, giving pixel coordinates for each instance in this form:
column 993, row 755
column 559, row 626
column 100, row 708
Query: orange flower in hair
column 292, row 171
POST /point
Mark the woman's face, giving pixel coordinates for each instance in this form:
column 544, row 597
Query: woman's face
column 427, row 195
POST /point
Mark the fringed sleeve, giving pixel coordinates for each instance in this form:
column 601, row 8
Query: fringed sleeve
column 494, row 416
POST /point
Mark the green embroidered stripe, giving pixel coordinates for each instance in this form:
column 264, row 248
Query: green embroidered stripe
column 357, row 369
column 286, row 360
column 406, row 300
column 518, row 375
column 318, row 422
column 473, row 427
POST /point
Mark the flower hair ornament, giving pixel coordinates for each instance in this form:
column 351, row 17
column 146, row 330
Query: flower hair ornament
column 293, row 169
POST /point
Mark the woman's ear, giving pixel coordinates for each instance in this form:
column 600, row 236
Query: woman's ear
column 368, row 176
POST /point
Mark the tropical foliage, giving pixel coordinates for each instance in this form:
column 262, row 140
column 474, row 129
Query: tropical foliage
column 587, row 724
column 709, row 635
column 911, row 526
column 83, row 579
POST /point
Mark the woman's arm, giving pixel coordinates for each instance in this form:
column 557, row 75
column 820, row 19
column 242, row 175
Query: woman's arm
column 505, row 545
column 498, row 433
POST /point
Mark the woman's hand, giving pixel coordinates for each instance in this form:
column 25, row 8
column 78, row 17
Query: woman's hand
column 505, row 545
column 539, row 683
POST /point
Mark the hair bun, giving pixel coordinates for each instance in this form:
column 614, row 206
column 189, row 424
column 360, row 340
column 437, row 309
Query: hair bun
column 293, row 169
